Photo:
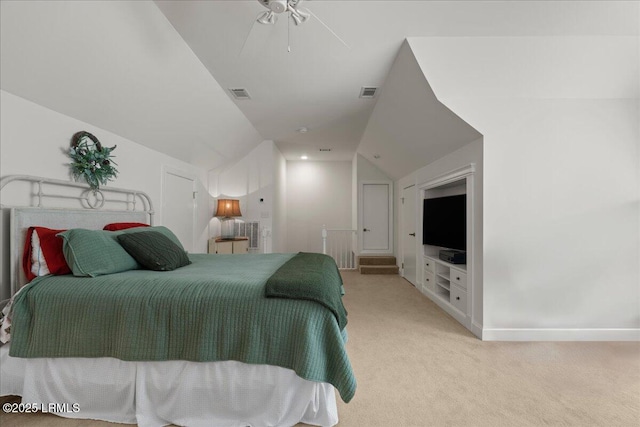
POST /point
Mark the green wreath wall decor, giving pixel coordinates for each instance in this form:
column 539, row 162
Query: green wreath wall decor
column 90, row 160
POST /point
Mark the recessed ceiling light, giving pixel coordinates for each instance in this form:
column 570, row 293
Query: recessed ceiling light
column 304, row 157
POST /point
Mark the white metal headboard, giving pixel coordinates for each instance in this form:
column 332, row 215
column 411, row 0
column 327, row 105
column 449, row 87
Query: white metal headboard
column 89, row 199
column 136, row 206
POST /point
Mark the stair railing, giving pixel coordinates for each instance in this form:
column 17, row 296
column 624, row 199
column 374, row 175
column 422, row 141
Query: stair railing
column 339, row 243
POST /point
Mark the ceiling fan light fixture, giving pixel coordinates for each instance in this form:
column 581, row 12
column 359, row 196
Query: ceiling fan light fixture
column 299, row 17
column 267, row 18
column 277, row 6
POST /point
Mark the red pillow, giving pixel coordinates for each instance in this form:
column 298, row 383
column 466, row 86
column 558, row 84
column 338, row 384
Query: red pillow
column 48, row 250
column 123, row 225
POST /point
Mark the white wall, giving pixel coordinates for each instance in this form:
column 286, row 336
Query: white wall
column 367, row 171
column 279, row 234
column 317, row 193
column 35, row 140
column 261, row 174
column 561, row 178
column 299, row 197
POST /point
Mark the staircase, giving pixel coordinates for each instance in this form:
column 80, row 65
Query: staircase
column 377, row 265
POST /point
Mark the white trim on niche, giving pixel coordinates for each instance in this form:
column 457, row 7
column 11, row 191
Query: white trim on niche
column 451, row 176
column 462, row 174
column 526, row 334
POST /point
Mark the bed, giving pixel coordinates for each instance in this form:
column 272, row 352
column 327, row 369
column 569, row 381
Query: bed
column 199, row 345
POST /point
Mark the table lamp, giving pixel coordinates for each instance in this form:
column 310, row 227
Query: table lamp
column 226, row 211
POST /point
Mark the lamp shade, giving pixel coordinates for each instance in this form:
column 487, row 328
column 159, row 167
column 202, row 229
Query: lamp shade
column 228, row 208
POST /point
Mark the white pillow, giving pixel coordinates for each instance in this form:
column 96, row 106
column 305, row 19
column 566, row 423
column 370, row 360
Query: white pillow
column 38, row 262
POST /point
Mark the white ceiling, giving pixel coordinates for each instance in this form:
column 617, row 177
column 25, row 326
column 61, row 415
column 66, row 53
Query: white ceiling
column 317, row 84
column 158, row 72
column 121, row 67
column 409, row 126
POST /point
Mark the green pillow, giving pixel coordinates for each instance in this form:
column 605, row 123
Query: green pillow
column 154, row 250
column 159, row 228
column 91, row 253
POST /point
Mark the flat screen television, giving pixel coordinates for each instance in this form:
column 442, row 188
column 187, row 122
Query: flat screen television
column 444, row 222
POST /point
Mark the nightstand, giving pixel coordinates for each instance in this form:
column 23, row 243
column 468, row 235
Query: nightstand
column 237, row 245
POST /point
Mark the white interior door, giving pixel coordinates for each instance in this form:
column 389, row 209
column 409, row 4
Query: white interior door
column 409, row 239
column 376, row 218
column 179, row 207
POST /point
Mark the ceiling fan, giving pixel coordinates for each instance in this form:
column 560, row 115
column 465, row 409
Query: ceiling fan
column 295, row 14
column 281, row 6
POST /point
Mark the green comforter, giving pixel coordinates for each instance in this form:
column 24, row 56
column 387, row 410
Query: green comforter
column 212, row 310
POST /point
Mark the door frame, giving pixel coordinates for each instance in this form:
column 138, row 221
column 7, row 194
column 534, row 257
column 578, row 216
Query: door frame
column 361, row 185
column 166, row 170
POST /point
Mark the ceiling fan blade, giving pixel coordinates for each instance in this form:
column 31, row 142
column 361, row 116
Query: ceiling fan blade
column 249, row 33
column 329, row 29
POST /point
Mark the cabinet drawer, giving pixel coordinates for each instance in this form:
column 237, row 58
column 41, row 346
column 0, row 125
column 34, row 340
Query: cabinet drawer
column 429, row 280
column 429, row 264
column 459, row 298
column 459, row 278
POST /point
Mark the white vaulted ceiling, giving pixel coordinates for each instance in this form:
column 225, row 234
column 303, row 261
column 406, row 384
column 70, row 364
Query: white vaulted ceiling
column 317, row 84
column 122, row 67
column 158, row 72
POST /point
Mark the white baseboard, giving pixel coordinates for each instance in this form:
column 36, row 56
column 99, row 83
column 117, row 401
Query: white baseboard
column 495, row 334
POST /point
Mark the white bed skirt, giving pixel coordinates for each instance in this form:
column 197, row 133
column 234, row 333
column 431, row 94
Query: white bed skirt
column 154, row 394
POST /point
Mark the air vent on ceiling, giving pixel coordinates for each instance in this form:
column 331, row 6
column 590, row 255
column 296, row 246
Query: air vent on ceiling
column 325, row 149
column 239, row 93
column 368, row 92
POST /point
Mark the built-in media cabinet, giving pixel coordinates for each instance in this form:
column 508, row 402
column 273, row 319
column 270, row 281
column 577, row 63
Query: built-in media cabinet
column 445, row 230
column 446, row 284
column 448, row 240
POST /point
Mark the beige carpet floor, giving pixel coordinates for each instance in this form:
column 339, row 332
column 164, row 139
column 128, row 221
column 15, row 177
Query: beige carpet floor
column 416, row 366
